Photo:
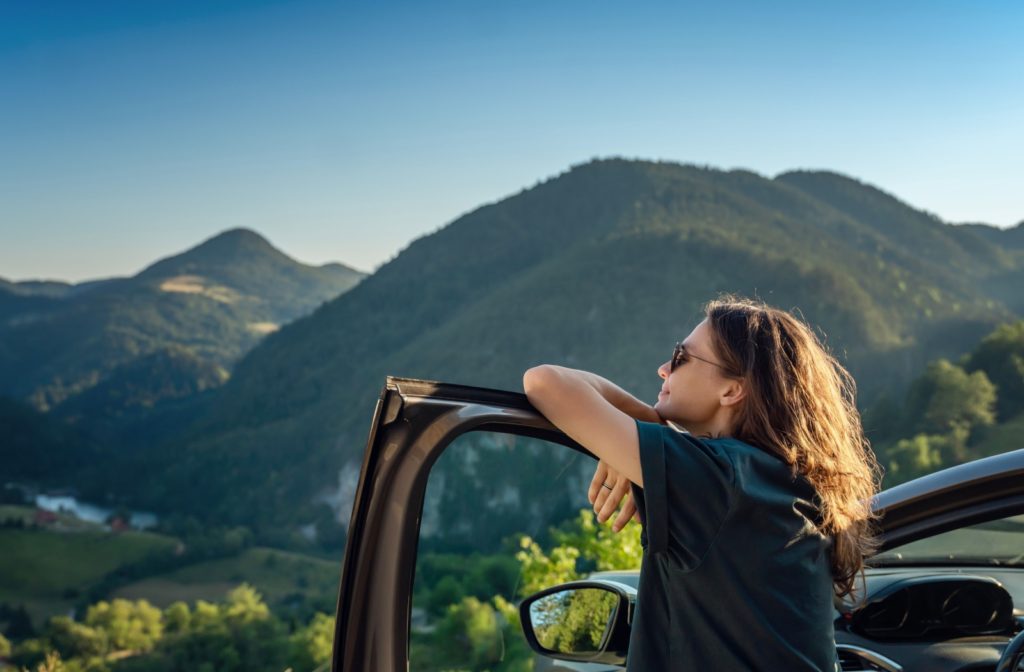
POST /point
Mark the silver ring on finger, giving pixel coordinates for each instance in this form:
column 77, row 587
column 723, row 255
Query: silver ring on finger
column 605, row 485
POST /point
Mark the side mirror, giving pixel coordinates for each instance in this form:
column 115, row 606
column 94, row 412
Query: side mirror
column 582, row 621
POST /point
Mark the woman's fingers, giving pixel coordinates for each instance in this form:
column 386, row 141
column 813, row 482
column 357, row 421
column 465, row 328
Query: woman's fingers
column 628, row 511
column 606, row 501
column 603, row 497
column 600, row 474
column 615, row 496
column 598, row 494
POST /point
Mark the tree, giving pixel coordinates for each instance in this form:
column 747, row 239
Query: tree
column 130, row 626
column 5, row 646
column 925, row 453
column 469, row 635
column 245, row 605
column 1001, row 356
column 177, row 618
column 311, row 646
column 581, row 546
column 240, row 635
column 946, row 396
column 52, row 663
column 206, row 616
column 77, row 640
column 492, row 575
column 447, row 591
column 541, row 570
column 30, row 652
column 518, row 656
column 19, row 624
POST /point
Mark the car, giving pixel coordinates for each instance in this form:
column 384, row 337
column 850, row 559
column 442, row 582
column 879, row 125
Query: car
column 945, row 593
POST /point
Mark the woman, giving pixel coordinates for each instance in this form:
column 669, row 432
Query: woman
column 756, row 516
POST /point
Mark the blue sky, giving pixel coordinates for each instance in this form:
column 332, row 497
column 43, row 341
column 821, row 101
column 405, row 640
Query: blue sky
column 343, row 130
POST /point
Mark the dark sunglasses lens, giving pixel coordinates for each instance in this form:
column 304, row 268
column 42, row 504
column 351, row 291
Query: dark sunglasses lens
column 678, row 356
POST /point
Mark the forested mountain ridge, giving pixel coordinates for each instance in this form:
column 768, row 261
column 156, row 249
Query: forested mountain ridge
column 1005, row 285
column 215, row 301
column 1012, row 237
column 603, row 267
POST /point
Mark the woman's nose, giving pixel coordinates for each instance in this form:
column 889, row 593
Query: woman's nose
column 663, row 370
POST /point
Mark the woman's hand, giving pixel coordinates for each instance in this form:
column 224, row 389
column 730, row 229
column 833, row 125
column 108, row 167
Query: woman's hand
column 606, row 501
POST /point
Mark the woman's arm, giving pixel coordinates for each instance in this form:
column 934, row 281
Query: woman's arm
column 593, row 411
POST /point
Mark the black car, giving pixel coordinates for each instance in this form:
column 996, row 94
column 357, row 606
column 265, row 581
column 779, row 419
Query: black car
column 946, row 592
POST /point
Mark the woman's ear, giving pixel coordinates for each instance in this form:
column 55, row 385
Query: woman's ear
column 734, row 392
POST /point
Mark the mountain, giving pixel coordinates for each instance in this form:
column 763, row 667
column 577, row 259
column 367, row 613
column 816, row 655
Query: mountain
column 34, row 446
column 1012, row 237
column 603, row 267
column 1005, row 285
column 214, row 301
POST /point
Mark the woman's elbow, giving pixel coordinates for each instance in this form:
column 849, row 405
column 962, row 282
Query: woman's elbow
column 538, row 377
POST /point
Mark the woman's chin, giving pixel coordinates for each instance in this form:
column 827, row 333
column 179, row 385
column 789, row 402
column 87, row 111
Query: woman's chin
column 662, row 409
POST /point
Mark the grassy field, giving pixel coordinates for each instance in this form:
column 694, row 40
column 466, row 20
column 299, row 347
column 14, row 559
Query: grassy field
column 47, row 570
column 281, row 577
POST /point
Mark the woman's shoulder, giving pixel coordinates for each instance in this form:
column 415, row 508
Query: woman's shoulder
column 734, row 446
column 765, row 467
column 680, row 437
column 680, row 450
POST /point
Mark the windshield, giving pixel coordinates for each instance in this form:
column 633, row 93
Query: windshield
column 997, row 542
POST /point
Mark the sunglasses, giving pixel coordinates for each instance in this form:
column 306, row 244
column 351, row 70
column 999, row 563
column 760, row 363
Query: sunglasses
column 680, row 356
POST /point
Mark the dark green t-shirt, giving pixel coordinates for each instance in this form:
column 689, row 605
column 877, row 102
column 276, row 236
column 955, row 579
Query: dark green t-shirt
column 735, row 574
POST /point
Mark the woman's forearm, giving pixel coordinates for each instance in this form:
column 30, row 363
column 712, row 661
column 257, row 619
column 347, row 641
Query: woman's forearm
column 613, row 394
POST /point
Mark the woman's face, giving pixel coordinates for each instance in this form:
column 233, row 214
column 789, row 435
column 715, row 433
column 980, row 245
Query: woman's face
column 697, row 395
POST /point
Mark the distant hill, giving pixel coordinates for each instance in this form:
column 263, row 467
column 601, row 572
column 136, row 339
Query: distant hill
column 1004, row 285
column 603, row 267
column 1012, row 237
column 213, row 302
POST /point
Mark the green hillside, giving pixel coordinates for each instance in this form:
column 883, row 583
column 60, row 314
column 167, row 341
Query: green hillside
column 215, row 301
column 34, row 446
column 49, row 572
column 603, row 268
column 284, row 579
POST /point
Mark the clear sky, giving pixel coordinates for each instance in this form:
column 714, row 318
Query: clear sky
column 344, row 130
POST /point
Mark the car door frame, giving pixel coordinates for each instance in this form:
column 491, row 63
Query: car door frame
column 965, row 494
column 414, row 422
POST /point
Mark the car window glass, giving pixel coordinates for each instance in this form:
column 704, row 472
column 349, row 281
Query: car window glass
column 996, row 542
column 486, row 491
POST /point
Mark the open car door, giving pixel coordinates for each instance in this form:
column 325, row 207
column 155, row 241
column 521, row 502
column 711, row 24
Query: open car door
column 413, row 423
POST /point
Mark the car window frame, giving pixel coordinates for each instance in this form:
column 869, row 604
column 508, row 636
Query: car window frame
column 414, row 422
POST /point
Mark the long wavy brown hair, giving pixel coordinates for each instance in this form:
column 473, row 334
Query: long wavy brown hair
column 800, row 404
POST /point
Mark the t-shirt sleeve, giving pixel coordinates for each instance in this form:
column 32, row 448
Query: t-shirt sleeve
column 688, row 491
